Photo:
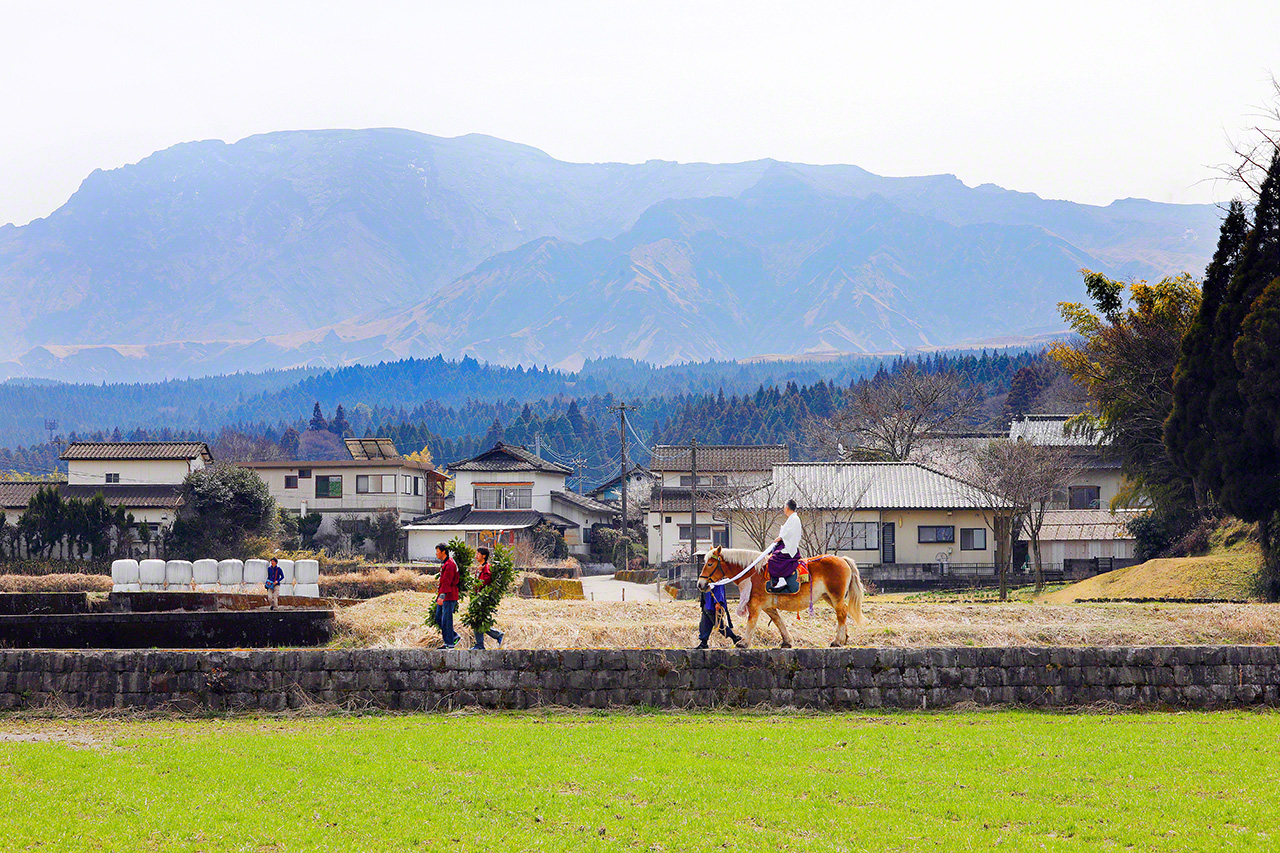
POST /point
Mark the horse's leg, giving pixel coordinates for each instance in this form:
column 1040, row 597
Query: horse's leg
column 753, row 613
column 782, row 627
column 842, row 614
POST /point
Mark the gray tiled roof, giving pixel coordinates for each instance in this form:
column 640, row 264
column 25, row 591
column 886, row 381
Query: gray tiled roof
column 495, row 517
column 581, row 501
column 1086, row 525
column 18, row 495
column 868, row 485
column 680, row 499
column 720, row 457
column 1050, row 430
column 508, row 457
column 125, row 450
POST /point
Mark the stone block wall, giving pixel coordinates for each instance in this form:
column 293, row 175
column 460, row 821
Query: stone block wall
column 824, row 679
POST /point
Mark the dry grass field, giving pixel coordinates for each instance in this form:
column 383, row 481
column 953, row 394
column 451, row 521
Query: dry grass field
column 397, row 620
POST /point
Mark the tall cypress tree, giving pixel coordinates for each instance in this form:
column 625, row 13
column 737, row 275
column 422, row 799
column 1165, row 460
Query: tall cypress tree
column 1188, row 433
column 1245, row 365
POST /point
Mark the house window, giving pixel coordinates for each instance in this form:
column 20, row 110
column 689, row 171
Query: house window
column 417, row 485
column 304, row 473
column 521, row 498
column 488, row 498
column 853, row 535
column 720, row 537
column 945, row 533
column 704, row 532
column 408, row 484
column 113, row 478
column 687, row 480
column 1085, row 497
column 375, row 484
column 291, row 481
column 668, row 519
column 973, row 539
column 719, row 481
column 329, row 486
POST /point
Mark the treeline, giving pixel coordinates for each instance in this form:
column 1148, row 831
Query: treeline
column 420, row 389
column 580, row 431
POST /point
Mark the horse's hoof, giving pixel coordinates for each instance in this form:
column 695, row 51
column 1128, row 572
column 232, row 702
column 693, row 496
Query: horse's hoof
column 740, row 645
column 835, row 645
column 786, row 645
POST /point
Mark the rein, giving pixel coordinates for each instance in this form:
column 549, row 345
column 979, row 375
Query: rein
column 742, row 574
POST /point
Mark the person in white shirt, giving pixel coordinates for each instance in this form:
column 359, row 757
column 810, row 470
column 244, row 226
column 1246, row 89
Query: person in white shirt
column 785, row 559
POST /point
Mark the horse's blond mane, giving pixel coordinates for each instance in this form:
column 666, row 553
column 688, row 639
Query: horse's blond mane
column 741, row 557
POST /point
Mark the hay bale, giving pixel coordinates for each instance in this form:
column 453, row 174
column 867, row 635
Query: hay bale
column 286, row 589
column 177, row 574
column 151, row 573
column 286, row 566
column 307, row 590
column 558, row 589
column 230, row 574
column 255, row 572
column 124, row 572
column 204, row 572
column 306, row 572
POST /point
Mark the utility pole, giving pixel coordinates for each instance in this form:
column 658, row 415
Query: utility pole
column 537, row 445
column 622, row 409
column 693, row 505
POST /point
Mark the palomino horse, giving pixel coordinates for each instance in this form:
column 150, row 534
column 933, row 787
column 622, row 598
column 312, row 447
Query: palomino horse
column 834, row 578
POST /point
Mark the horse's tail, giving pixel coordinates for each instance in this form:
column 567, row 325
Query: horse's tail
column 854, row 595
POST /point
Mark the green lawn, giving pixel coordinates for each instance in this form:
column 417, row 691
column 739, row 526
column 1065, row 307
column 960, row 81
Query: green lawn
column 505, row 782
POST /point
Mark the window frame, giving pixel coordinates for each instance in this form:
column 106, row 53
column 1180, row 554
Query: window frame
column 304, row 473
column 329, row 480
column 523, row 495
column 921, row 528
column 111, row 478
column 294, row 478
column 475, row 498
column 1094, row 503
column 972, row 531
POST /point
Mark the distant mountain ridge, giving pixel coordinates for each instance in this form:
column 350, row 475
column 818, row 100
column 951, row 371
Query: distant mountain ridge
column 322, row 248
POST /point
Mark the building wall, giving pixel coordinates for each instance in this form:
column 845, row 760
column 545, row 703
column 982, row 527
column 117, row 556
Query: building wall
column 422, row 543
column 1058, row 552
column 578, row 539
column 543, row 483
column 295, row 500
column 133, row 472
column 1108, row 481
column 664, row 536
column 906, row 523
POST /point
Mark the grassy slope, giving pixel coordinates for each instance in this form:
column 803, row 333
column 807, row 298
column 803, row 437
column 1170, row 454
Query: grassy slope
column 1229, row 573
column 977, row 781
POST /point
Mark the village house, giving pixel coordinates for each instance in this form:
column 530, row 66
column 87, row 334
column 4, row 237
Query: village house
column 504, row 494
column 144, row 477
column 347, row 492
column 723, row 469
column 640, row 482
column 902, row 522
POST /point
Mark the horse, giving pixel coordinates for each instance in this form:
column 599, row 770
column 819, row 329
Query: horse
column 834, row 578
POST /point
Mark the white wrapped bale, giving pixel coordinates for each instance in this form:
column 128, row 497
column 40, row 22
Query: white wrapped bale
column 307, row 590
column 255, row 572
column 286, row 589
column 306, row 572
column 124, row 572
column 230, row 574
column 151, row 574
column 132, row 587
column 204, row 573
column 207, row 587
column 286, row 566
column 177, row 574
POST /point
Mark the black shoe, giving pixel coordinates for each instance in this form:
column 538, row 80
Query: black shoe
column 702, row 646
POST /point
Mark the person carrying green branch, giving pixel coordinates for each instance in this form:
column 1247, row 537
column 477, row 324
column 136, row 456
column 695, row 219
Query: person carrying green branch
column 485, row 575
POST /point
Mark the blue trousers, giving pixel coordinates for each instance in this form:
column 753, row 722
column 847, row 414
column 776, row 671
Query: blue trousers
column 492, row 633
column 444, row 618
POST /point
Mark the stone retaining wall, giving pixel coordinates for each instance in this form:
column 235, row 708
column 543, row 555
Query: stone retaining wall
column 835, row 679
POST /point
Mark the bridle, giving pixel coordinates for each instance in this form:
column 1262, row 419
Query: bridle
column 719, row 559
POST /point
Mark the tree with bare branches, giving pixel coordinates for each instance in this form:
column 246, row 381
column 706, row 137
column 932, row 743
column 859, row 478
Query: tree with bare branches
column 753, row 507
column 893, row 416
column 1254, row 150
column 1003, row 482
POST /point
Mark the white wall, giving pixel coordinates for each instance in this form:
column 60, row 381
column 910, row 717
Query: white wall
column 542, row 483
column 409, row 506
column 133, row 472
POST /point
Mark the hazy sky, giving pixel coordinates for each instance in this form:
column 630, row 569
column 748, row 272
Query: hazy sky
column 1089, row 102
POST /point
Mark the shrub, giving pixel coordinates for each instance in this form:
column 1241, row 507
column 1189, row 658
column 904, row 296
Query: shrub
column 55, row 583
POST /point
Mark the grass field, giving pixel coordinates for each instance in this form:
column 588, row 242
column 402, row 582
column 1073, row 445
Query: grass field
column 962, row 781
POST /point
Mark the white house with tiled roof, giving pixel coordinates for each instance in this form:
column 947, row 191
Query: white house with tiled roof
column 503, row 493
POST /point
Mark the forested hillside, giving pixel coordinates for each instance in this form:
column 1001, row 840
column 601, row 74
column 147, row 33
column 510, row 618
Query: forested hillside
column 475, row 405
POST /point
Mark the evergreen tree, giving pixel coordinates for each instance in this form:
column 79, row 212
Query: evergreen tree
column 289, row 444
column 317, row 419
column 1188, row 432
column 339, row 425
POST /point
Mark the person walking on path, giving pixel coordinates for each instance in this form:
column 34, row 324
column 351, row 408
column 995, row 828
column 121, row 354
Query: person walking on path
column 446, row 596
column 784, row 562
column 485, row 575
column 715, row 614
column 275, row 577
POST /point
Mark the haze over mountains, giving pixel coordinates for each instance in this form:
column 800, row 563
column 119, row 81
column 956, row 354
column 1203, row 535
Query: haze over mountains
column 334, row 247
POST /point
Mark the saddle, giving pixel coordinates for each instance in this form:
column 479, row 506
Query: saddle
column 794, row 581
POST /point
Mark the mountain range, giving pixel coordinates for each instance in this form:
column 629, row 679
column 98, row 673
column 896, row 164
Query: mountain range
column 322, row 248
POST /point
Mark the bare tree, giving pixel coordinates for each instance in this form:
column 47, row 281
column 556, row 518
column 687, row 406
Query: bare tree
column 1049, row 470
column 829, row 496
column 753, row 507
column 1254, row 150
column 891, row 417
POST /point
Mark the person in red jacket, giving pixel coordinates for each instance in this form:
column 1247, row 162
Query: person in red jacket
column 484, row 575
column 447, row 595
